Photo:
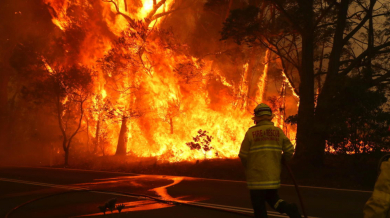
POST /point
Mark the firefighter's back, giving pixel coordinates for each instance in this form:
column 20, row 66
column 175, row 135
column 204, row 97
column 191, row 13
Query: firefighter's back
column 264, row 157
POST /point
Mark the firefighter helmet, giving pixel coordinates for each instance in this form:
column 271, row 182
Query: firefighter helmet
column 262, row 112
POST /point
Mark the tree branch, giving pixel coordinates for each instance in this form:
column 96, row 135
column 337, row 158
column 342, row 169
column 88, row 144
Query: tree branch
column 81, row 118
column 360, row 25
column 128, row 19
column 359, row 59
column 156, row 16
column 326, row 11
column 289, row 19
column 154, row 10
column 382, row 78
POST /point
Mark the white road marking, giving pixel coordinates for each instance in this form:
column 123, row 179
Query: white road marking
column 165, row 176
column 241, row 209
column 217, row 206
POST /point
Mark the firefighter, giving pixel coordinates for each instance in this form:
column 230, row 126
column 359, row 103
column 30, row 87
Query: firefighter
column 261, row 154
column 378, row 206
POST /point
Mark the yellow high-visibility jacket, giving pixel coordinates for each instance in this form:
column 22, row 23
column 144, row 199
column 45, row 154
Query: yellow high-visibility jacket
column 379, row 203
column 261, row 154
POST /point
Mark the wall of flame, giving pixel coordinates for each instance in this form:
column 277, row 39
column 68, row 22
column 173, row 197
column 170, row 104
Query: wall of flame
column 220, row 101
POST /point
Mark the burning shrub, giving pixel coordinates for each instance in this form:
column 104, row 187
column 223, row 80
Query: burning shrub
column 201, row 141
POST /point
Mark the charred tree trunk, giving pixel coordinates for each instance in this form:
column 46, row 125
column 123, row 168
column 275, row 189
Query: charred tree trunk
column 66, row 157
column 306, row 87
column 88, row 147
column 171, row 124
column 121, row 148
column 65, row 138
column 75, row 132
column 67, row 142
column 251, row 81
column 97, row 135
column 330, row 86
column 66, row 150
column 306, row 103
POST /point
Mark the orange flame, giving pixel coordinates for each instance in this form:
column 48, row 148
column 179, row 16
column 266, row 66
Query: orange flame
column 168, row 98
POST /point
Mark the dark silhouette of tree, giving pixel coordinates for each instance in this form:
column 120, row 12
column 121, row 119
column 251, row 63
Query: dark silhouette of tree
column 360, row 125
column 67, row 90
column 320, row 45
column 201, row 142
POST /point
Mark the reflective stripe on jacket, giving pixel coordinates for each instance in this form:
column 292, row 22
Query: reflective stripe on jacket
column 261, row 154
column 379, row 203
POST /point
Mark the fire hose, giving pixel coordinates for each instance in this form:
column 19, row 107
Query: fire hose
column 296, row 188
column 159, row 199
column 129, row 195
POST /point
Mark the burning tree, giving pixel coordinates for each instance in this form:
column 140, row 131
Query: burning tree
column 130, row 66
column 121, row 66
column 150, row 66
column 135, row 40
column 170, row 112
column 100, row 111
column 201, row 142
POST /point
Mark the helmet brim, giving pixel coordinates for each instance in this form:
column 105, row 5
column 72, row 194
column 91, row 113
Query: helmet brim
column 263, row 117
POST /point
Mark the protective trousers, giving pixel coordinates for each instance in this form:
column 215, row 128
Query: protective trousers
column 259, row 197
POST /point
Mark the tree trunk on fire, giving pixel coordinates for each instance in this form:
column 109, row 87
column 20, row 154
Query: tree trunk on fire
column 97, row 135
column 171, row 124
column 252, row 81
column 121, row 148
column 306, row 88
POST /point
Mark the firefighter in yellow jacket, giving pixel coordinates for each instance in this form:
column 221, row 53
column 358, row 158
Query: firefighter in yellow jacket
column 378, row 206
column 261, row 155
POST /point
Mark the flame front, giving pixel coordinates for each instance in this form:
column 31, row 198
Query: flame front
column 154, row 97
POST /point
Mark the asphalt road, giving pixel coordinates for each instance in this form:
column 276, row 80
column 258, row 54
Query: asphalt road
column 78, row 193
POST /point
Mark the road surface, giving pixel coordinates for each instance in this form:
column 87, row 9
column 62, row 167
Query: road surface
column 78, row 193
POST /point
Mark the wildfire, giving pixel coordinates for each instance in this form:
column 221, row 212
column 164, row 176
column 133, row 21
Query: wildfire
column 47, row 66
column 262, row 81
column 147, row 6
column 159, row 100
column 289, row 85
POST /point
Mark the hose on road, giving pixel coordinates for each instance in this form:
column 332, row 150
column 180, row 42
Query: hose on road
column 161, row 200
column 297, row 189
column 127, row 194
